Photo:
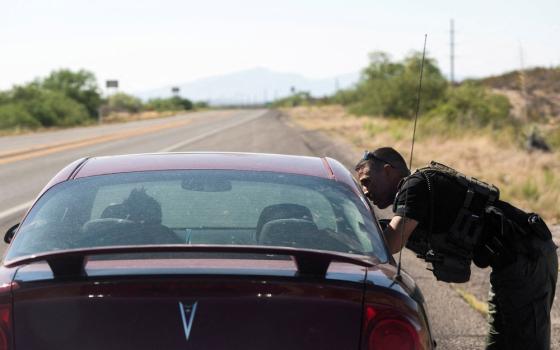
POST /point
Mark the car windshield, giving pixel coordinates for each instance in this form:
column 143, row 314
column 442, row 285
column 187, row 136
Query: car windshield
column 199, row 207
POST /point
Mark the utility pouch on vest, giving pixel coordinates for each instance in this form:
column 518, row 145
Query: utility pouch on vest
column 451, row 253
column 467, row 227
column 449, row 268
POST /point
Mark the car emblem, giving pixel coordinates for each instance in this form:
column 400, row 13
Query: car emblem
column 187, row 314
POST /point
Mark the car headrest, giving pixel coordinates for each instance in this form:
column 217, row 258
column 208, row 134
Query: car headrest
column 105, row 224
column 142, row 208
column 281, row 211
column 115, row 211
column 299, row 233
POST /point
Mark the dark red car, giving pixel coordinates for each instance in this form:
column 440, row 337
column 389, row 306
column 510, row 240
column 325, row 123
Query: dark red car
column 205, row 251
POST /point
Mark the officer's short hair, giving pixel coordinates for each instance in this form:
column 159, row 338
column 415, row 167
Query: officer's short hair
column 382, row 156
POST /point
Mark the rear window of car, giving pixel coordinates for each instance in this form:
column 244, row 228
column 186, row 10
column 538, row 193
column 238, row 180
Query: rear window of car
column 199, row 207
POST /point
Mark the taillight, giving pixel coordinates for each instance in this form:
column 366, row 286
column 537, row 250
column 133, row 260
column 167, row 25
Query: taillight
column 6, row 316
column 5, row 327
column 386, row 329
column 393, row 334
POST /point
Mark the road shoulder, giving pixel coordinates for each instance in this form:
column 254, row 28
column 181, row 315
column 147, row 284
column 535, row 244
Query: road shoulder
column 455, row 324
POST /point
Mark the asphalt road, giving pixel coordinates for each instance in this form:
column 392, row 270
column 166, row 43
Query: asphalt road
column 23, row 173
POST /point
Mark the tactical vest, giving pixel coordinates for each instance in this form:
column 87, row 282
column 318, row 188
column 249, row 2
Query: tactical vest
column 451, row 253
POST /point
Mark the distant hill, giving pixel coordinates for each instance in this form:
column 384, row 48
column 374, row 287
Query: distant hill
column 253, row 86
column 542, row 88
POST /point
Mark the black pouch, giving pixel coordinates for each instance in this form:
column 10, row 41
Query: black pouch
column 496, row 247
column 538, row 227
column 452, row 269
column 449, row 268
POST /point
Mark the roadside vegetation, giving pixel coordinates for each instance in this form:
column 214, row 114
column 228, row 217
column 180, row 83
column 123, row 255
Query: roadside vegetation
column 68, row 98
column 473, row 127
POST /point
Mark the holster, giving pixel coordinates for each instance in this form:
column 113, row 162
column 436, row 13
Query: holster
column 509, row 231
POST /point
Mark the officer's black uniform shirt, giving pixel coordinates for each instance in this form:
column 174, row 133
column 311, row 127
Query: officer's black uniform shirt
column 448, row 198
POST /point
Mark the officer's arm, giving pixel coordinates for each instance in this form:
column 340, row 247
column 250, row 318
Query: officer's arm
column 397, row 228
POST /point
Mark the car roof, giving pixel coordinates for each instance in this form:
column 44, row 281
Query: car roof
column 293, row 164
column 302, row 165
column 327, row 168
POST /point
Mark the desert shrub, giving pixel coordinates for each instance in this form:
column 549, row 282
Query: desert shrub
column 472, row 105
column 184, row 102
column 122, row 102
column 346, row 97
column 552, row 137
column 13, row 115
column 301, row 98
column 389, row 88
column 530, row 190
column 80, row 86
column 175, row 103
column 49, row 108
column 4, row 97
column 201, row 105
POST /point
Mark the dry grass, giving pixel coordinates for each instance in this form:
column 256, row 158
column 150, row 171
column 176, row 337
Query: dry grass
column 473, row 302
column 529, row 180
column 121, row 117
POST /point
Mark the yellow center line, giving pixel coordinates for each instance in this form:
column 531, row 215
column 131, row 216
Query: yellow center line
column 54, row 148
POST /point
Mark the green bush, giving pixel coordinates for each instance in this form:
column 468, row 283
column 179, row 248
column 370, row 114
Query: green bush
column 473, row 105
column 201, row 105
column 49, row 108
column 80, row 86
column 302, row 98
column 175, row 103
column 183, row 102
column 122, row 102
column 346, row 97
column 4, row 97
column 552, row 137
column 13, row 115
column 390, row 88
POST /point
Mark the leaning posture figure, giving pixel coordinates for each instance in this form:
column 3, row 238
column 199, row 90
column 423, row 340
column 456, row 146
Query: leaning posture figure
column 451, row 220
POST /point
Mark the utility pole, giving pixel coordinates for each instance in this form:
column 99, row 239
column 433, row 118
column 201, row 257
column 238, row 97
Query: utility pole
column 452, row 52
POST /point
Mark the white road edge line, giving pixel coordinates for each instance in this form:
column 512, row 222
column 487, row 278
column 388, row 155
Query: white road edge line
column 210, row 133
column 25, row 206
column 15, row 210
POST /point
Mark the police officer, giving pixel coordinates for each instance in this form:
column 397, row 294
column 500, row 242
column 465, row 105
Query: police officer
column 431, row 209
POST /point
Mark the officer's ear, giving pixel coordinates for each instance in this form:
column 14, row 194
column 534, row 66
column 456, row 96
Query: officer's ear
column 388, row 169
column 391, row 172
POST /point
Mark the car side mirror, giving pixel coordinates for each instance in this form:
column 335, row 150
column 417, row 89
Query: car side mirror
column 10, row 233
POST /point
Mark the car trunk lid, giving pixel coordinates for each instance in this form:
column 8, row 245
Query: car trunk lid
column 189, row 304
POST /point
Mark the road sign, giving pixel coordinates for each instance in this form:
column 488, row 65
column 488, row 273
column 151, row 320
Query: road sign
column 112, row 84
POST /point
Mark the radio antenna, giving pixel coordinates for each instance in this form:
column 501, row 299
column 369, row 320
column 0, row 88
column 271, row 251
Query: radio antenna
column 398, row 276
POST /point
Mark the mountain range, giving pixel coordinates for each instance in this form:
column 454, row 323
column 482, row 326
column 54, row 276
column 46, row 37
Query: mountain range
column 252, row 86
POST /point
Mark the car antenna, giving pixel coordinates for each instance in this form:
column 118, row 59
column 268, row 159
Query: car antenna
column 398, row 276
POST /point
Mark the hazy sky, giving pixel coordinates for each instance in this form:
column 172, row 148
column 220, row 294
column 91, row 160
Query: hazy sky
column 152, row 43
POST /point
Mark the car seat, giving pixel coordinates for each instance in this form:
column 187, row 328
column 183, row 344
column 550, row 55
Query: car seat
column 299, row 233
column 281, row 211
column 137, row 220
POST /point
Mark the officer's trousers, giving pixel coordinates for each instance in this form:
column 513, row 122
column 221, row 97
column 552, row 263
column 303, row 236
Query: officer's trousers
column 520, row 301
